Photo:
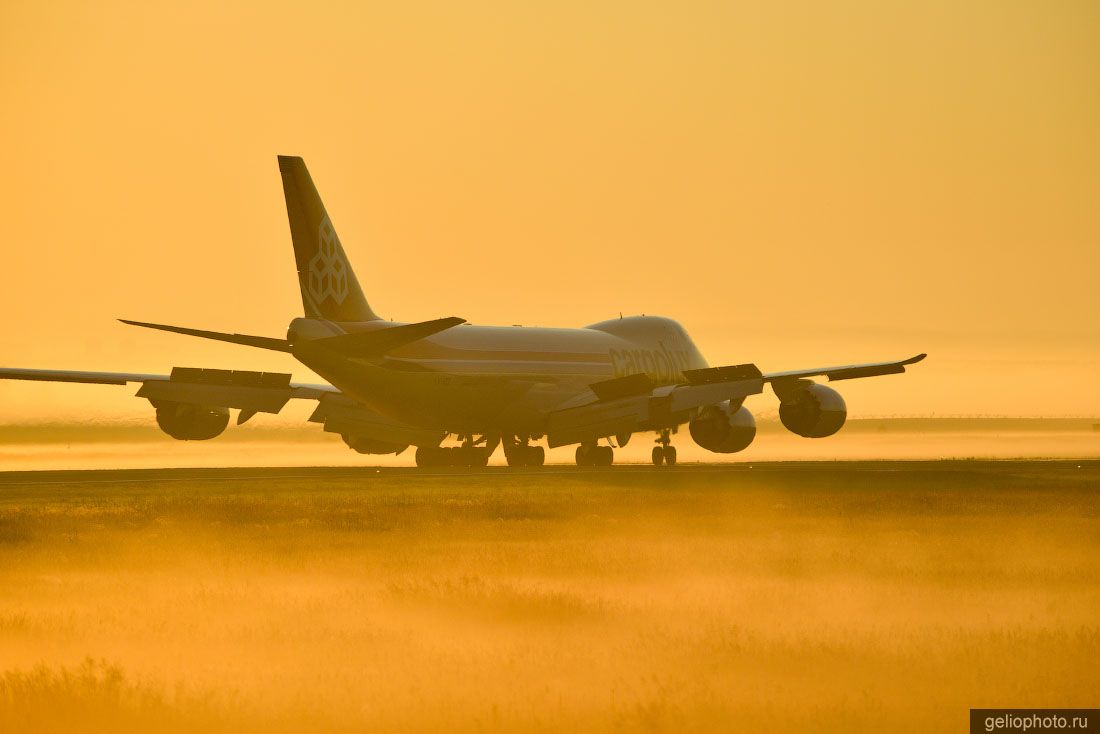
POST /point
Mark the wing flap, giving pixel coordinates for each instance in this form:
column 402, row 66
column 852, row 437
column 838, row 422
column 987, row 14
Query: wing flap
column 688, row 397
column 722, row 374
column 340, row 414
column 596, row 420
column 655, row 408
column 251, row 392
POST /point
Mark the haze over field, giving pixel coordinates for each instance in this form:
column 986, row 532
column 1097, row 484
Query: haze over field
column 142, row 445
column 800, row 184
column 783, row 598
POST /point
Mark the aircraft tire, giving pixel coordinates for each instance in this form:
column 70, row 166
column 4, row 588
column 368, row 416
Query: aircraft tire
column 582, row 456
column 658, row 455
column 429, row 456
column 515, row 454
column 479, row 457
column 536, row 456
column 603, row 456
column 670, row 456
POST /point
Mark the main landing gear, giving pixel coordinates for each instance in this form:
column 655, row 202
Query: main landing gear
column 594, row 455
column 664, row 452
column 469, row 454
column 519, row 452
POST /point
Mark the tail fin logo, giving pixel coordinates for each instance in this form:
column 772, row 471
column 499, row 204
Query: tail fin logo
column 328, row 272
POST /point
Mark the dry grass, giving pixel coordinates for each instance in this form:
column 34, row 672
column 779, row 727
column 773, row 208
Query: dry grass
column 829, row 597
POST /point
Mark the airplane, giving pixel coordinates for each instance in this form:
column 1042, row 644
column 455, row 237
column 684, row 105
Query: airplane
column 394, row 385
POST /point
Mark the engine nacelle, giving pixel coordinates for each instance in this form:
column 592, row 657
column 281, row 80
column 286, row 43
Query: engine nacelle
column 813, row 411
column 370, row 445
column 190, row 422
column 723, row 429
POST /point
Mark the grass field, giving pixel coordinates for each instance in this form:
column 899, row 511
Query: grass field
column 783, row 597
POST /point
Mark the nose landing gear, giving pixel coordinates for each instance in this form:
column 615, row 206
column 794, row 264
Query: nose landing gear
column 664, row 452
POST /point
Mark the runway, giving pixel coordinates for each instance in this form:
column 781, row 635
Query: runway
column 497, row 474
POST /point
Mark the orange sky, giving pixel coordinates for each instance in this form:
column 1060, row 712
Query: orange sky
column 799, row 183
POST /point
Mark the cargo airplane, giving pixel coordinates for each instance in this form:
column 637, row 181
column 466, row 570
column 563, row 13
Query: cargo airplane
column 395, row 385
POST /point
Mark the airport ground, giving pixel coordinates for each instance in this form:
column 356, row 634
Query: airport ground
column 290, row 441
column 810, row 596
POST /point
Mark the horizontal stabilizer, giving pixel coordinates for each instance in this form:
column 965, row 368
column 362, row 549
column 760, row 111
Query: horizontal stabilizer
column 379, row 341
column 263, row 342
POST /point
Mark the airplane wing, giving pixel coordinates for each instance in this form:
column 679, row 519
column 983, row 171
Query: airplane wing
column 96, row 378
column 848, row 371
column 182, row 379
column 632, row 403
column 250, row 393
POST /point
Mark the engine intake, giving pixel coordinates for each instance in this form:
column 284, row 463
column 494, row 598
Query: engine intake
column 812, row 410
column 190, row 422
column 723, row 428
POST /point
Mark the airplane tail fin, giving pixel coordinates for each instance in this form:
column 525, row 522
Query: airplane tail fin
column 330, row 289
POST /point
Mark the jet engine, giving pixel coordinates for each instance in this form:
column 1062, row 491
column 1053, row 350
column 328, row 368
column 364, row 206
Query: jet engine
column 723, row 428
column 190, row 422
column 371, row 446
column 812, row 410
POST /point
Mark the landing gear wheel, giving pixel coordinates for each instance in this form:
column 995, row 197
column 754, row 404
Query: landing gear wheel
column 595, row 455
column 536, row 456
column 603, row 456
column 670, row 456
column 429, row 456
column 475, row 457
column 664, row 452
column 523, row 454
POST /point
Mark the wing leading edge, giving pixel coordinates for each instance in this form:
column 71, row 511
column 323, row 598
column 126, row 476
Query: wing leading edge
column 95, row 378
column 179, row 375
column 848, row 371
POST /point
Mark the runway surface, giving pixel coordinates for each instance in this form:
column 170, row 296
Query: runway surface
column 490, row 475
